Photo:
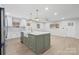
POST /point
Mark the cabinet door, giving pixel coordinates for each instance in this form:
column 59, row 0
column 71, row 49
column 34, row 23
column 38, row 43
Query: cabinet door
column 39, row 44
column 46, row 41
column 25, row 41
column 31, row 42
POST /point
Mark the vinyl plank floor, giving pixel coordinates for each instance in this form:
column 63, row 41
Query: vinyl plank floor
column 59, row 46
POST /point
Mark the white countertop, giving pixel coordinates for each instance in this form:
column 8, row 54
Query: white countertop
column 26, row 35
column 38, row 32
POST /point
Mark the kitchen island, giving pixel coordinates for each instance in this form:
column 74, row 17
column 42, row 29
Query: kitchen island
column 38, row 42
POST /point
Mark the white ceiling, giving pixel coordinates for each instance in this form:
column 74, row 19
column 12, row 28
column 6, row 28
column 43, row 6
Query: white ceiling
column 62, row 10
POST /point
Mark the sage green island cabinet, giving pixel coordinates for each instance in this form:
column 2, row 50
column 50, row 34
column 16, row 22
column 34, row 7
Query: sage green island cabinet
column 38, row 42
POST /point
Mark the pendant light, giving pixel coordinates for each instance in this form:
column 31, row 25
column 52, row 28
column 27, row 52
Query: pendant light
column 37, row 19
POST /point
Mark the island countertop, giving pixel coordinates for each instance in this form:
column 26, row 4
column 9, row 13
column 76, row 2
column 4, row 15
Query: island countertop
column 38, row 32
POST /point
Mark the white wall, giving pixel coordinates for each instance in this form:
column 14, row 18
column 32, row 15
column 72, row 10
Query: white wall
column 14, row 32
column 65, row 30
column 43, row 26
column 68, row 31
column 46, row 27
column 77, row 29
column 34, row 26
column 9, row 19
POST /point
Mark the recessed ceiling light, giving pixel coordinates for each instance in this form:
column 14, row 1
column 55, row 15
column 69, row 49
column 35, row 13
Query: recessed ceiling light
column 55, row 13
column 46, row 8
column 62, row 18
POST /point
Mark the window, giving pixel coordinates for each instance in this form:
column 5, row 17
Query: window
column 16, row 22
column 57, row 25
column 70, row 24
column 28, row 24
column 54, row 25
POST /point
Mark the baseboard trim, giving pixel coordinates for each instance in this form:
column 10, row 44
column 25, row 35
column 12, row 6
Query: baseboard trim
column 66, row 37
column 13, row 38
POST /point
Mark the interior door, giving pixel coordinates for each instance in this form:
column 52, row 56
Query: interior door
column 2, row 31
